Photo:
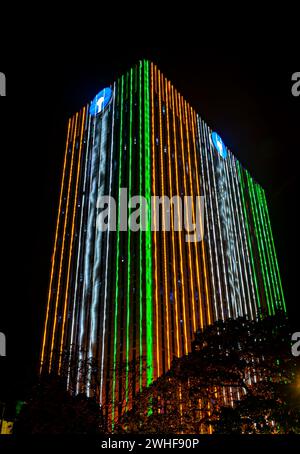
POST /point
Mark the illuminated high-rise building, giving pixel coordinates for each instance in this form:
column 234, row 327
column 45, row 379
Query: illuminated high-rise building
column 127, row 301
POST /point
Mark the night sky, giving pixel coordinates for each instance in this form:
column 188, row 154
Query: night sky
column 245, row 95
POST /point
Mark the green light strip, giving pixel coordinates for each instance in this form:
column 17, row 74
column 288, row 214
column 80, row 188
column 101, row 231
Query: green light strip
column 141, row 232
column 259, row 241
column 267, row 239
column 149, row 308
column 263, row 243
column 273, row 247
column 242, row 185
column 128, row 239
column 118, row 251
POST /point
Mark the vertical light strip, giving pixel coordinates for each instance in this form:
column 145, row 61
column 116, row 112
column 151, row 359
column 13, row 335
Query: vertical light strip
column 71, row 241
column 165, row 267
column 273, row 247
column 220, row 233
column 149, row 296
column 237, row 256
column 183, row 298
column 239, row 240
column 183, row 113
column 242, row 186
column 263, row 245
column 155, row 243
column 197, row 173
column 270, row 251
column 107, row 246
column 203, row 158
column 76, row 302
column 180, row 102
column 258, row 239
column 116, row 302
column 221, row 306
column 141, row 231
column 55, row 247
column 174, row 264
column 267, row 244
column 63, row 246
column 194, row 214
column 129, row 243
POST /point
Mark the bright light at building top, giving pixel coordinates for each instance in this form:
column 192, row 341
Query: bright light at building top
column 100, row 101
column 219, row 144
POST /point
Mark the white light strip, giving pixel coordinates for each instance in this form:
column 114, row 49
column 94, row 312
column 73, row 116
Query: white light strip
column 203, row 186
column 220, row 231
column 233, row 216
column 221, row 306
column 86, row 264
column 225, row 214
column 98, row 235
column 240, row 242
column 245, row 241
column 107, row 249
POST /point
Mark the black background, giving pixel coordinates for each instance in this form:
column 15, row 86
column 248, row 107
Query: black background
column 243, row 91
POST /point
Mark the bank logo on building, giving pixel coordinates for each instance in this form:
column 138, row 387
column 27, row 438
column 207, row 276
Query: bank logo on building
column 219, row 144
column 100, row 101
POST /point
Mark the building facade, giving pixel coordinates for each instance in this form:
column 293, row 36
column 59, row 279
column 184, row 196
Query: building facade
column 128, row 302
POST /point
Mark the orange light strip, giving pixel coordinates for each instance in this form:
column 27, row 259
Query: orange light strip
column 72, row 238
column 180, row 99
column 172, row 222
column 70, row 124
column 187, row 127
column 162, row 175
column 204, row 259
column 63, row 246
column 174, row 105
column 157, row 337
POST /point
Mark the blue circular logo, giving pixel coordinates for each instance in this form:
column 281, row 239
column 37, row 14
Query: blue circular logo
column 219, row 144
column 100, row 101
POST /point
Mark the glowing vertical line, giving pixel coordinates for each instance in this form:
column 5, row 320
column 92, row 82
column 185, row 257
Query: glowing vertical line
column 149, row 304
column 267, row 241
column 237, row 256
column 172, row 221
column 254, row 277
column 239, row 220
column 55, row 247
column 63, row 245
column 202, row 158
column 166, row 287
column 116, row 305
column 141, row 232
column 107, row 245
column 197, row 172
column 213, row 223
column 263, row 242
column 129, row 240
column 75, row 302
column 71, row 241
column 273, row 247
column 257, row 231
column 157, row 337
column 185, row 190
column 220, row 232
column 183, row 299
column 187, row 123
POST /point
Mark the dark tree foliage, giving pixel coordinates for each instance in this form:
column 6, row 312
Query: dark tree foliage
column 50, row 409
column 240, row 378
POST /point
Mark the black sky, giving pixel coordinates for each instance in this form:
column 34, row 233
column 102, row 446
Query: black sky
column 242, row 92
